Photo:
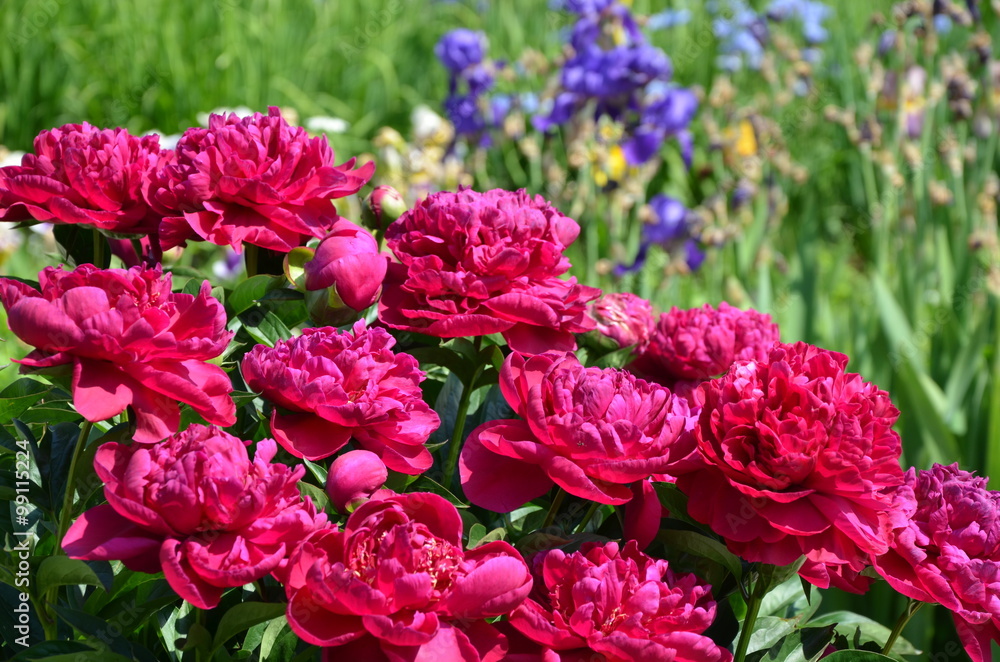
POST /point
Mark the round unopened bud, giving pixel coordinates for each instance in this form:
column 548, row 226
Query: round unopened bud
column 353, row 478
column 382, row 206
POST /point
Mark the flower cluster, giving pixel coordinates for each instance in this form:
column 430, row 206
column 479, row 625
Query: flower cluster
column 669, row 226
column 396, row 584
column 196, row 508
column 948, row 550
column 330, row 387
column 462, row 52
column 615, row 602
column 255, row 179
column 799, row 458
column 625, row 78
column 590, row 431
column 82, row 174
column 129, row 342
column 687, row 347
column 472, row 264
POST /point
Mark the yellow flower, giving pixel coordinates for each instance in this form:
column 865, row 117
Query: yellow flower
column 742, row 139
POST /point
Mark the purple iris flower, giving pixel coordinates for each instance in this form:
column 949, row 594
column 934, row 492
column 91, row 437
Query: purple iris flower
column 460, row 49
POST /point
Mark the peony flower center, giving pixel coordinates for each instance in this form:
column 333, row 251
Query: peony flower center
column 409, row 546
column 613, row 620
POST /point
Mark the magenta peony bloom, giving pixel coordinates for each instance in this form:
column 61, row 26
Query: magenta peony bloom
column 353, row 477
column 395, row 584
column 82, row 174
column 330, row 387
column 948, row 551
column 625, row 318
column 700, row 343
column 590, row 431
column 129, row 340
column 197, row 508
column 473, row 264
column 255, row 180
column 612, row 603
column 347, row 260
column 799, row 456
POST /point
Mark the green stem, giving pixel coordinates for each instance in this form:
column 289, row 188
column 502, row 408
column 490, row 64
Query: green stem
column 100, row 243
column 463, row 411
column 911, row 608
column 250, row 259
column 66, row 514
column 554, row 508
column 753, row 608
column 582, row 526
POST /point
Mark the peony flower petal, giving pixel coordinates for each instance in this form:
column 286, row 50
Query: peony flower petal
column 496, row 482
column 101, row 534
column 185, row 582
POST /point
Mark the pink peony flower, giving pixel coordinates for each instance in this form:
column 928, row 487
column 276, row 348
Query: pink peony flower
column 624, row 318
column 799, row 456
column 610, row 603
column 255, row 180
column 948, row 551
column 353, row 477
column 330, row 387
column 197, row 508
column 473, row 264
column 130, row 342
column 82, row 174
column 395, row 584
column 349, row 262
column 700, row 343
column 590, row 431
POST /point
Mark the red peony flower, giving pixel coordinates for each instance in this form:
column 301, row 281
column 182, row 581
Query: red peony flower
column 349, row 262
column 255, row 180
column 948, row 551
column 700, row 343
column 82, row 174
column 197, row 508
column 590, row 431
column 130, row 341
column 799, row 456
column 330, row 387
column 608, row 603
column 473, row 264
column 395, row 584
column 624, row 318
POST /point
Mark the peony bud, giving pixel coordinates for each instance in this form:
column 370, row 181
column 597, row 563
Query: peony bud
column 382, row 206
column 353, row 478
column 344, row 276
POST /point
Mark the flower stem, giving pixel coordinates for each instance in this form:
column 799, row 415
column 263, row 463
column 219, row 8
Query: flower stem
column 99, row 245
column 250, row 259
column 753, row 608
column 586, row 518
column 456, row 435
column 554, row 508
column 66, row 514
column 911, row 608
